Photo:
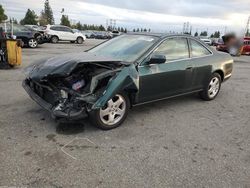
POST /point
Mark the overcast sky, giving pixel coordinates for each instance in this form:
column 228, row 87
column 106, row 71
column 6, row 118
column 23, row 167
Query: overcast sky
column 160, row 15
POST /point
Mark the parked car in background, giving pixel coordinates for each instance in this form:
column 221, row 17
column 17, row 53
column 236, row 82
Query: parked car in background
column 39, row 29
column 217, row 41
column 246, row 46
column 207, row 41
column 89, row 34
column 116, row 33
column 102, row 35
column 34, row 27
column 30, row 37
column 63, row 33
column 76, row 31
column 129, row 70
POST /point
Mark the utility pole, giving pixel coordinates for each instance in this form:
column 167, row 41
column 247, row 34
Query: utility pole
column 184, row 28
column 114, row 24
column 247, row 26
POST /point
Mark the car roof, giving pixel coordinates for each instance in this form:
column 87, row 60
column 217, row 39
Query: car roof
column 58, row 26
column 160, row 35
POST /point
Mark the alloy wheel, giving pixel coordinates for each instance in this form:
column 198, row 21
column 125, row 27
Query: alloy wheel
column 114, row 111
column 214, row 87
column 33, row 43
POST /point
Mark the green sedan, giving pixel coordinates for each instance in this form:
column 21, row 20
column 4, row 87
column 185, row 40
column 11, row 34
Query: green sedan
column 133, row 69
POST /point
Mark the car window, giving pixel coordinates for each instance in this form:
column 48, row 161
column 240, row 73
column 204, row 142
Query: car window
column 20, row 28
column 197, row 49
column 66, row 29
column 55, row 28
column 174, row 49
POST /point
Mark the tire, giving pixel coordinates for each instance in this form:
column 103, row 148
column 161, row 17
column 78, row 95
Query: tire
column 212, row 88
column 79, row 40
column 32, row 43
column 54, row 39
column 113, row 114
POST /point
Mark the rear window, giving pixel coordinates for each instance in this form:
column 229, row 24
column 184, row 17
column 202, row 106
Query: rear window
column 197, row 49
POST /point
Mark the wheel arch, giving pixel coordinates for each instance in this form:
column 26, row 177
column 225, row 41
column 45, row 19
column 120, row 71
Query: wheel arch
column 79, row 37
column 24, row 39
column 221, row 73
column 126, row 81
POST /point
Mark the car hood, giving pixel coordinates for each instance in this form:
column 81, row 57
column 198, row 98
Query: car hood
column 63, row 65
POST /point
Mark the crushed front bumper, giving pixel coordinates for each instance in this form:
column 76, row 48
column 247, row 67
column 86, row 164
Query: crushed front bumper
column 70, row 116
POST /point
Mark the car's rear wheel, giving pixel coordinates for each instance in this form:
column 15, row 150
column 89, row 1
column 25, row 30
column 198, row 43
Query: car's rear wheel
column 113, row 114
column 212, row 89
column 79, row 40
column 32, row 43
column 54, row 39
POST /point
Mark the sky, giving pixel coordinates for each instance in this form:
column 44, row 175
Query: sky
column 159, row 15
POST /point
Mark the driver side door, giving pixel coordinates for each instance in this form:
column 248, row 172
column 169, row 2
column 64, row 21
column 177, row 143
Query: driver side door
column 174, row 77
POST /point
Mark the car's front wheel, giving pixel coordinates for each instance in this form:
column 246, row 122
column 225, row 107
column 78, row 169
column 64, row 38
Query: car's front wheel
column 79, row 40
column 113, row 114
column 212, row 89
column 32, row 43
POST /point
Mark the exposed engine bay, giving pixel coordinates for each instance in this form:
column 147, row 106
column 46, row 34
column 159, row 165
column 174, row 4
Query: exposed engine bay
column 72, row 85
column 72, row 94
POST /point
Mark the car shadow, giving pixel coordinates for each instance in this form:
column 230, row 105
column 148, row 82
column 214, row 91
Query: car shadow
column 85, row 126
column 73, row 128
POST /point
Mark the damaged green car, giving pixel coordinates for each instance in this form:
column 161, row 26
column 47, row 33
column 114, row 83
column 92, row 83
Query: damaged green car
column 132, row 69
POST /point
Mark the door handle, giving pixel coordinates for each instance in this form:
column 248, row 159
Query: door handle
column 189, row 68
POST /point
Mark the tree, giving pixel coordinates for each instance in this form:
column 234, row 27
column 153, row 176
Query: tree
column 30, row 18
column 217, row 34
column 149, row 30
column 145, row 30
column 204, row 33
column 42, row 19
column 133, row 30
column 46, row 16
column 13, row 20
column 48, row 12
column 79, row 26
column 2, row 15
column 196, row 34
column 109, row 28
column 247, row 33
column 65, row 20
column 100, row 28
column 125, row 30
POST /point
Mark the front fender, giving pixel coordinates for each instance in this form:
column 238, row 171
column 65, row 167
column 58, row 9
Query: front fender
column 127, row 79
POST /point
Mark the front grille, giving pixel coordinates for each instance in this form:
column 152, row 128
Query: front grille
column 42, row 92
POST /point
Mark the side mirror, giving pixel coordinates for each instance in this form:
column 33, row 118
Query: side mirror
column 157, row 59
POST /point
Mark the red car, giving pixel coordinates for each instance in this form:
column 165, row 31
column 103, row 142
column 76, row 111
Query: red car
column 246, row 46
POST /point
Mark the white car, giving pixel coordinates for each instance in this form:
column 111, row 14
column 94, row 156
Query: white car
column 207, row 41
column 63, row 33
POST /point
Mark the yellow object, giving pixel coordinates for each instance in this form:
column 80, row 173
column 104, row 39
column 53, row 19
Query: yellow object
column 14, row 53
